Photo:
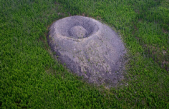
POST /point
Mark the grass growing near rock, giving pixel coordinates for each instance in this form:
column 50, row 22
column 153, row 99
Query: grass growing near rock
column 30, row 78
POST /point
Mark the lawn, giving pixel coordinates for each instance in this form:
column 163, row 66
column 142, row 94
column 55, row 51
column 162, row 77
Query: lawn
column 30, row 77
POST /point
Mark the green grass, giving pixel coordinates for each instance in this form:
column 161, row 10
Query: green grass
column 31, row 78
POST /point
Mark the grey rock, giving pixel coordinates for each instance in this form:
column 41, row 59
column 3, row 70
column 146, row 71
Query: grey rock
column 78, row 32
column 88, row 48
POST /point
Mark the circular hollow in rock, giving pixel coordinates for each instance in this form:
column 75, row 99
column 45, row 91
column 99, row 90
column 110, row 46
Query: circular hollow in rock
column 89, row 49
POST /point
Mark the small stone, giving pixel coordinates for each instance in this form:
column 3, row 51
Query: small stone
column 78, row 32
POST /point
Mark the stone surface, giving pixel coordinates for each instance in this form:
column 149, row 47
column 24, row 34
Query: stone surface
column 88, row 48
column 78, row 32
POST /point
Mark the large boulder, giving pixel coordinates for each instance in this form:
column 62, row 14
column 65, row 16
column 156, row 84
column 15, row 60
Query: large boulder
column 88, row 48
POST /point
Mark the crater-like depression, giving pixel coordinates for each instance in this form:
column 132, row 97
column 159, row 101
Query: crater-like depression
column 88, row 48
column 76, row 27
